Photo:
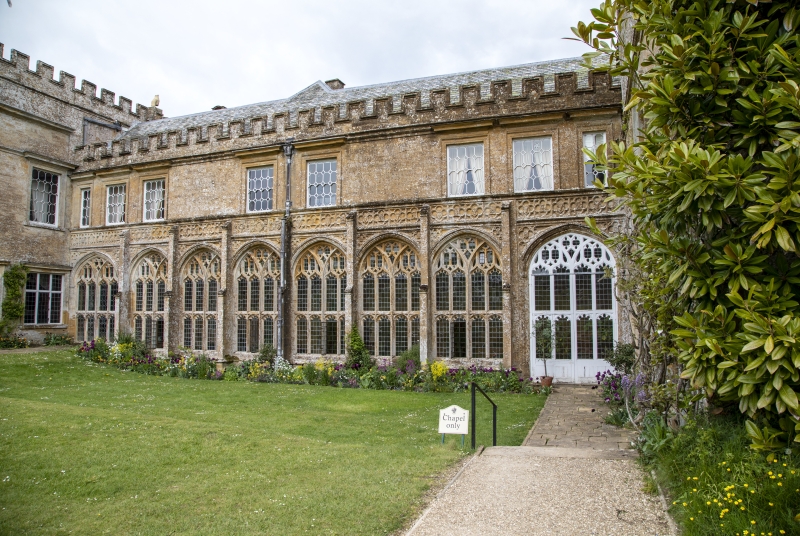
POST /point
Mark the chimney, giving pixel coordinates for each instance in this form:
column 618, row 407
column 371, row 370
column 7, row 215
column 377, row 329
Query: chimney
column 335, row 83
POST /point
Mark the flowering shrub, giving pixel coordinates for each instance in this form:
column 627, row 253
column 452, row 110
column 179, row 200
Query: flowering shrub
column 611, row 387
column 13, row 341
column 129, row 354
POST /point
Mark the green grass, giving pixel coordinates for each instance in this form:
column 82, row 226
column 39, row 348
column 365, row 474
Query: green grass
column 89, row 449
column 719, row 486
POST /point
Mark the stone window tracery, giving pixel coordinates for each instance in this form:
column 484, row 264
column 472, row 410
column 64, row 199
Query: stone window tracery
column 149, row 286
column 97, row 301
column 201, row 275
column 572, row 300
column 258, row 276
column 533, row 164
column 469, row 300
column 591, row 141
column 319, row 323
column 465, row 170
column 390, row 278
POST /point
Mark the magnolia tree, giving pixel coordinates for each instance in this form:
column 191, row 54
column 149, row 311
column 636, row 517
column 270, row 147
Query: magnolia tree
column 712, row 182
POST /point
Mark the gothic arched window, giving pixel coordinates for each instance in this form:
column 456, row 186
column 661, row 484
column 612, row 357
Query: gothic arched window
column 468, row 288
column 149, row 299
column 390, row 279
column 319, row 313
column 257, row 278
column 97, row 301
column 572, row 299
column 200, row 276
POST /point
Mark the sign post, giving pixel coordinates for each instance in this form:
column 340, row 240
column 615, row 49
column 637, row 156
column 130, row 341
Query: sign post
column 454, row 420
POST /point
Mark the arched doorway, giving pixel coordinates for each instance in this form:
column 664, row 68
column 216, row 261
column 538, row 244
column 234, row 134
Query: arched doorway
column 572, row 308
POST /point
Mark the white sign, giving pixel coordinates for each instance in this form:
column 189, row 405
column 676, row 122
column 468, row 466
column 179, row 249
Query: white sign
column 453, row 420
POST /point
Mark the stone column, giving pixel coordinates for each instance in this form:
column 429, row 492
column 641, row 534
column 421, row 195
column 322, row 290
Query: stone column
column 506, row 232
column 425, row 333
column 173, row 295
column 351, row 250
column 227, row 345
column 123, row 298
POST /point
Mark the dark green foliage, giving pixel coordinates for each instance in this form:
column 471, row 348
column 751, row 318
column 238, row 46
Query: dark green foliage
column 357, row 354
column 267, row 354
column 622, row 359
column 713, row 187
column 51, row 339
column 13, row 341
column 14, row 300
column 411, row 355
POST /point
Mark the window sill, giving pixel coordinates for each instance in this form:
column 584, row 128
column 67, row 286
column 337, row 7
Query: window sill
column 44, row 326
column 458, row 196
column 44, row 226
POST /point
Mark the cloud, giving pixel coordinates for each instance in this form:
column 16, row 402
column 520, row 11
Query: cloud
column 199, row 53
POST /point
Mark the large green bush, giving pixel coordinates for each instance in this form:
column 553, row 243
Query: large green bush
column 713, row 187
column 13, row 301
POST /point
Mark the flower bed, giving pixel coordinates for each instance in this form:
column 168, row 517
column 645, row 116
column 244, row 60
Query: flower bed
column 129, row 354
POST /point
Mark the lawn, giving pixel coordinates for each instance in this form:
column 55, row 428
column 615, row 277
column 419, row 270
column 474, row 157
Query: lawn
column 90, row 449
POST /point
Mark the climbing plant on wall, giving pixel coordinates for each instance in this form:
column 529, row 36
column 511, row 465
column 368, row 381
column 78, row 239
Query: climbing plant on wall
column 13, row 301
column 712, row 181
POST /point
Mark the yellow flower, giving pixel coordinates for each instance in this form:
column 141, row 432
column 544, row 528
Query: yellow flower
column 684, row 504
column 752, row 521
column 691, row 519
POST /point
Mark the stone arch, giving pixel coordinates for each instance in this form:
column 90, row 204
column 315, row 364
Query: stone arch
column 440, row 244
column 572, row 307
column 389, row 275
column 250, row 244
column 149, row 281
column 319, row 277
column 338, row 244
column 200, row 279
column 369, row 244
column 96, row 280
column 534, row 245
column 256, row 280
column 181, row 263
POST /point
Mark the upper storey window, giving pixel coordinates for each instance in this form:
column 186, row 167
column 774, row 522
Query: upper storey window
column 153, row 200
column 115, row 205
column 86, row 207
column 259, row 189
column 322, row 183
column 591, row 141
column 44, row 197
column 533, row 164
column 465, row 170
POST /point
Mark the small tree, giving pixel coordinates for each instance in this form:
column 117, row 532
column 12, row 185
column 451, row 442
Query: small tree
column 13, row 302
column 712, row 183
column 357, row 354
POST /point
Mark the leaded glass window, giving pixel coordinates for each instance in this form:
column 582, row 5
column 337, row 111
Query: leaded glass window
column 115, row 204
column 259, row 189
column 533, row 164
column 468, row 284
column 97, row 286
column 202, row 267
column 154, row 200
column 573, row 304
column 44, row 197
column 86, row 207
column 43, row 299
column 387, row 269
column 465, row 170
column 322, row 183
column 257, row 271
column 320, row 277
column 149, row 278
column 592, row 141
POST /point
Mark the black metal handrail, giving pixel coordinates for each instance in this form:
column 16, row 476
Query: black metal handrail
column 494, row 415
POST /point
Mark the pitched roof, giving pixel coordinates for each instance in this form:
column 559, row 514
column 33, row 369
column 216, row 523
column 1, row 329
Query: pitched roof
column 319, row 95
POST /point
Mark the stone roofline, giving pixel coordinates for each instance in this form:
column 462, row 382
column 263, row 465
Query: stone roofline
column 18, row 69
column 570, row 92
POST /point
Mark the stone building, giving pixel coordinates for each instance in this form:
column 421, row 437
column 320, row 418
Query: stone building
column 445, row 211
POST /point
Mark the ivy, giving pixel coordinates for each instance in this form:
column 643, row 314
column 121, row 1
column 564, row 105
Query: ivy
column 712, row 183
column 13, row 307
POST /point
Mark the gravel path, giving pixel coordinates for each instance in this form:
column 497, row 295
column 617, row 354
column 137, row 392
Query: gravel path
column 583, row 480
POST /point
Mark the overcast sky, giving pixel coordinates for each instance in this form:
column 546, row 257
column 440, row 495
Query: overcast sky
column 200, row 53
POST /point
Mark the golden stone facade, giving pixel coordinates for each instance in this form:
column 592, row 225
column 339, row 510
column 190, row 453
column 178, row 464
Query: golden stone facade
column 289, row 221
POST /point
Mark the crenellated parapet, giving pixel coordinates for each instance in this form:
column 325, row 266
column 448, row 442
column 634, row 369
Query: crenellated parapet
column 106, row 105
column 319, row 112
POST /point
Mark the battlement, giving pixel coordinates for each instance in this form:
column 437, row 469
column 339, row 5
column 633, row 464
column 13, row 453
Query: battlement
column 314, row 113
column 17, row 69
